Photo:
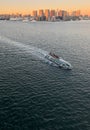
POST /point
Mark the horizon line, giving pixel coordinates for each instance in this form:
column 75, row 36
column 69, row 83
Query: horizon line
column 29, row 12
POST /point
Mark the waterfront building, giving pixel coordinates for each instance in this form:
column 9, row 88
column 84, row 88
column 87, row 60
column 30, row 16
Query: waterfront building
column 34, row 13
column 60, row 13
column 53, row 18
column 64, row 15
column 47, row 14
column 52, row 13
column 76, row 13
column 41, row 16
column 41, row 13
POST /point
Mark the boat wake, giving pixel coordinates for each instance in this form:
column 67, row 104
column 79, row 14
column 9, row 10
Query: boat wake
column 28, row 49
column 49, row 58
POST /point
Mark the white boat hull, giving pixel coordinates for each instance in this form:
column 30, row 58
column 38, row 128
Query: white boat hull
column 59, row 62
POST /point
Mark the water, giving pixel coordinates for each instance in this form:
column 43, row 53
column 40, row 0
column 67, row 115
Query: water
column 35, row 95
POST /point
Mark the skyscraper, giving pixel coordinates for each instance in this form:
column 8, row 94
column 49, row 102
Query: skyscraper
column 60, row 13
column 47, row 14
column 34, row 13
column 52, row 13
column 76, row 13
column 41, row 13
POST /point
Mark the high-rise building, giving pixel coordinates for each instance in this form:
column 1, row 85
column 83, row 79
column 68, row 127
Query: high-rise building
column 76, row 13
column 52, row 13
column 34, row 13
column 47, row 14
column 41, row 13
column 64, row 13
column 60, row 13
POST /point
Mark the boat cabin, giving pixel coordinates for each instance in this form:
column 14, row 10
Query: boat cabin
column 54, row 55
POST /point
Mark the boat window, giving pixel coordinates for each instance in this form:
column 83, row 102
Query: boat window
column 67, row 64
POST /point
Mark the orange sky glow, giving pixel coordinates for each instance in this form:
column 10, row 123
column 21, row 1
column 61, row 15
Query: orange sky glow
column 26, row 6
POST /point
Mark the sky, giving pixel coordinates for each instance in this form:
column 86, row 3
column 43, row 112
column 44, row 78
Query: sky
column 26, row 6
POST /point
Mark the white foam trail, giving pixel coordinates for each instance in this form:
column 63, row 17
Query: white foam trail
column 27, row 48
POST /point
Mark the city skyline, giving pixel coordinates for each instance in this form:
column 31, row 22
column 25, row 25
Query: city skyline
column 27, row 6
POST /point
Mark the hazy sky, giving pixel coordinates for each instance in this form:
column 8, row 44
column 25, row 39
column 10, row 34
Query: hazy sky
column 25, row 6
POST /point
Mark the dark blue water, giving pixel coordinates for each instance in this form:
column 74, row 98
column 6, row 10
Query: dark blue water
column 35, row 95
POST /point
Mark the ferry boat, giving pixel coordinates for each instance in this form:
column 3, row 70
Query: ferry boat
column 60, row 62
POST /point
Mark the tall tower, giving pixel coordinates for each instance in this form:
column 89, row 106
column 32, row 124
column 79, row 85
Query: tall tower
column 34, row 13
column 41, row 12
column 52, row 13
column 47, row 14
